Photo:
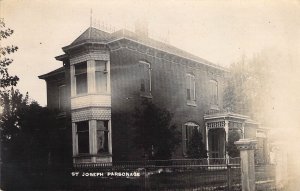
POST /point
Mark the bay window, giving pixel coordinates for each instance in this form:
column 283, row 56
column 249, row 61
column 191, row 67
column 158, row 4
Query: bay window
column 92, row 137
column 81, row 78
column 102, row 136
column 101, row 76
column 82, row 132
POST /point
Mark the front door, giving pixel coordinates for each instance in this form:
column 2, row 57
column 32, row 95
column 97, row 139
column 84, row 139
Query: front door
column 216, row 139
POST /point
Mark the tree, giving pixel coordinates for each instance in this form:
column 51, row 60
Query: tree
column 248, row 88
column 6, row 79
column 232, row 150
column 196, row 148
column 154, row 132
column 27, row 130
column 13, row 102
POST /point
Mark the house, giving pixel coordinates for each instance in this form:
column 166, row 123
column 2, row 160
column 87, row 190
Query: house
column 104, row 76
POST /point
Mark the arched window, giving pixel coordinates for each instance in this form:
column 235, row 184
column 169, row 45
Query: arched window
column 145, row 77
column 213, row 90
column 190, row 87
column 187, row 130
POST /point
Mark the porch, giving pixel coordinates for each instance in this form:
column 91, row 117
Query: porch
column 217, row 129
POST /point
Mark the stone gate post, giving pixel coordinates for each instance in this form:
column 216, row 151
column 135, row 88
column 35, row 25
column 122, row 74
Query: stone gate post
column 246, row 147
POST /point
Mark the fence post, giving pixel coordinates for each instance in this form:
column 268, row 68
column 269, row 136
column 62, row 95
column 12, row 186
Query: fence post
column 229, row 177
column 281, row 171
column 246, row 147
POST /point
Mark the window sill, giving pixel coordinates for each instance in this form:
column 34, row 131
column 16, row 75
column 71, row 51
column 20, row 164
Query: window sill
column 146, row 95
column 214, row 107
column 61, row 114
column 80, row 95
column 191, row 103
column 92, row 155
column 87, row 94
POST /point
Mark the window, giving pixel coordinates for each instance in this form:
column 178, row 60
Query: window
column 81, row 78
column 187, row 131
column 190, row 87
column 145, row 71
column 102, row 136
column 101, row 76
column 83, row 137
column 213, row 92
column 62, row 94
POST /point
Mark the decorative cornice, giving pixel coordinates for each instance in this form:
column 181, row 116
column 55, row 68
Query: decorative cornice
column 163, row 54
column 246, row 144
column 225, row 115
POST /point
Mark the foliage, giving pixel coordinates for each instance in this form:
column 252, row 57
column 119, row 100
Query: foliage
column 248, row 86
column 27, row 129
column 13, row 103
column 231, row 147
column 6, row 79
column 196, row 148
column 154, row 132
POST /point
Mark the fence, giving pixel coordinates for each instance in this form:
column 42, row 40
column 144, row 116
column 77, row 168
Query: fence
column 181, row 174
column 265, row 177
column 189, row 174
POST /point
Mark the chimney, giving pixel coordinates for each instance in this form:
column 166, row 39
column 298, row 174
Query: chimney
column 141, row 28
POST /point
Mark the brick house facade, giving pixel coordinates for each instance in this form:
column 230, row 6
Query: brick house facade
column 106, row 75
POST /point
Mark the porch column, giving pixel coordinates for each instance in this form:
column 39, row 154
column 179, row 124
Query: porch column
column 206, row 138
column 226, row 127
column 243, row 129
column 246, row 147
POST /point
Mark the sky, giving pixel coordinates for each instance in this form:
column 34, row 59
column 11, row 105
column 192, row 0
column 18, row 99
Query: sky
column 218, row 31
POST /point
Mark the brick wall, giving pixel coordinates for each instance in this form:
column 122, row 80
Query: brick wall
column 168, row 91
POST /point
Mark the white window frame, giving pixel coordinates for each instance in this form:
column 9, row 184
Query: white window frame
column 92, row 129
column 105, row 71
column 75, row 78
column 189, row 126
column 214, row 84
column 108, row 135
column 148, row 66
column 77, row 140
column 191, row 84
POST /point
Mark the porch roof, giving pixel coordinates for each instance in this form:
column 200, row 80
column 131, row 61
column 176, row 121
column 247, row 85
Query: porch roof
column 226, row 116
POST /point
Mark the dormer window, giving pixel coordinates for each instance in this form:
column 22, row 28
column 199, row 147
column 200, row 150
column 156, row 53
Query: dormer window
column 81, row 78
column 101, row 76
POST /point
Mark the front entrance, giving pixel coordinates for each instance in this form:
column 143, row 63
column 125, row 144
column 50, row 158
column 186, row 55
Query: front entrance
column 216, row 141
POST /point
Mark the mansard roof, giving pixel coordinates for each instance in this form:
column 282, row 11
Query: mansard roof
column 94, row 36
